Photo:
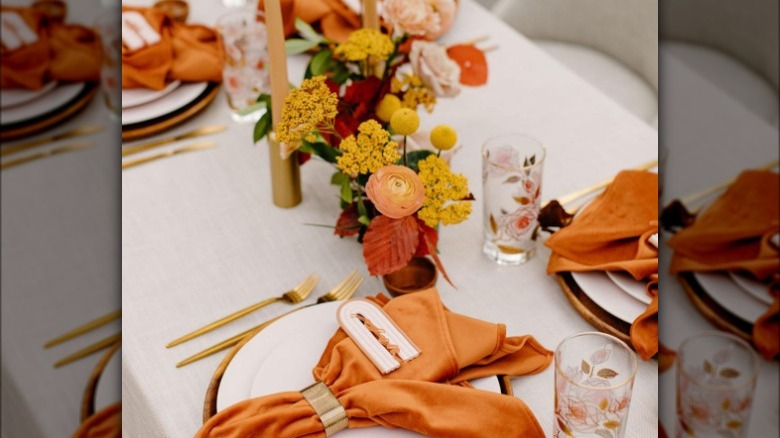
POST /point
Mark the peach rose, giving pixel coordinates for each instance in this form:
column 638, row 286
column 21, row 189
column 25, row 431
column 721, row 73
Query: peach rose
column 413, row 17
column 446, row 10
column 396, row 191
column 431, row 63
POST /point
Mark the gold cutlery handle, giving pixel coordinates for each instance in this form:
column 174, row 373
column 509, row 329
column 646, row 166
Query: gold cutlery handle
column 588, row 190
column 206, row 130
column 222, row 321
column 48, row 153
column 89, row 350
column 41, row 141
column 189, row 148
column 78, row 331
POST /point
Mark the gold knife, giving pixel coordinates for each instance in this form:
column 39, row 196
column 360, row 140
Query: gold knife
column 84, row 130
column 78, row 331
column 90, row 349
column 189, row 148
column 60, row 150
column 206, row 130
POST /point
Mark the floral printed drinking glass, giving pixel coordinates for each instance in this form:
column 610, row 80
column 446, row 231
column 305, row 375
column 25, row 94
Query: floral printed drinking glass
column 512, row 187
column 716, row 378
column 594, row 376
column 245, row 72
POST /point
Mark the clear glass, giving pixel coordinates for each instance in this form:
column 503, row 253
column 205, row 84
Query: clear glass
column 239, row 3
column 594, row 376
column 245, row 72
column 716, row 378
column 109, row 29
column 511, row 197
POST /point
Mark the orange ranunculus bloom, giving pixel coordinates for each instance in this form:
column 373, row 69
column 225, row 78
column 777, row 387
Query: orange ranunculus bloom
column 396, row 191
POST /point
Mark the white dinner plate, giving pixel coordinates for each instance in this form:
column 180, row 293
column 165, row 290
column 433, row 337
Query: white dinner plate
column 56, row 97
column 109, row 387
column 138, row 96
column 18, row 96
column 633, row 287
column 721, row 288
column 752, row 286
column 281, row 358
column 177, row 98
column 607, row 295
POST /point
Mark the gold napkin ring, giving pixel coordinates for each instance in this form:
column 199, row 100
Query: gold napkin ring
column 327, row 406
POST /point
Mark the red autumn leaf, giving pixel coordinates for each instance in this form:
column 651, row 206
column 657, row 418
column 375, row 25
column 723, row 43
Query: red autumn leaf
column 430, row 241
column 345, row 125
column 472, row 62
column 361, row 91
column 427, row 234
column 332, row 86
column 347, row 224
column 303, row 157
column 389, row 244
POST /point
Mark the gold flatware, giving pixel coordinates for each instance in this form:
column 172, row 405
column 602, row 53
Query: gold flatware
column 80, row 330
column 293, row 296
column 206, row 130
column 343, row 291
column 566, row 199
column 189, row 148
column 43, row 154
column 84, row 130
column 90, row 350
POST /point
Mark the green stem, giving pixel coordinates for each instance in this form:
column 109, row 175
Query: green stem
column 405, row 163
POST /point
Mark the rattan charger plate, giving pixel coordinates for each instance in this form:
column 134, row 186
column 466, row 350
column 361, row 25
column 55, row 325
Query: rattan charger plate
column 90, row 392
column 716, row 314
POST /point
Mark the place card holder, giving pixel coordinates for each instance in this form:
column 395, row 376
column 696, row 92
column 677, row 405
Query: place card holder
column 377, row 336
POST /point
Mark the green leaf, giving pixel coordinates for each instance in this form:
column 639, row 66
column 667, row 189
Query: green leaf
column 364, row 220
column 251, row 108
column 307, row 31
column 338, row 178
column 340, row 73
column 361, row 206
column 346, row 191
column 321, row 149
column 320, row 62
column 413, row 159
column 262, row 127
column 296, row 46
column 265, row 98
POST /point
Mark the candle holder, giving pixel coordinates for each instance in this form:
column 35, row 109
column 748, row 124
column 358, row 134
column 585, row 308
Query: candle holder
column 285, row 176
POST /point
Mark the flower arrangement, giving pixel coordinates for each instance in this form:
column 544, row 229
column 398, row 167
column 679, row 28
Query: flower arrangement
column 357, row 108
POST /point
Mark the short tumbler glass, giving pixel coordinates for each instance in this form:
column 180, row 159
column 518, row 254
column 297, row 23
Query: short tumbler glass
column 594, row 376
column 716, row 378
column 511, row 192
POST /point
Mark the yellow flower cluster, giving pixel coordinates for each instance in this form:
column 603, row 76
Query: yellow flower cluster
column 414, row 92
column 444, row 193
column 367, row 153
column 305, row 108
column 364, row 43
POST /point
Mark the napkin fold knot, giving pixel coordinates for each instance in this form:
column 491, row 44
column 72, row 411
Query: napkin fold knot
column 327, row 407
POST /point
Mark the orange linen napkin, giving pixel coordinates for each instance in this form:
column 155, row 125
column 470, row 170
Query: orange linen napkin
column 106, row 423
column 735, row 233
column 76, row 53
column 611, row 235
column 335, row 19
column 454, row 348
column 190, row 53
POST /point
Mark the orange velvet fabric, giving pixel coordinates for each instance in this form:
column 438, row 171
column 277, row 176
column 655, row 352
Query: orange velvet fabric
column 734, row 233
column 106, row 423
column 455, row 348
column 611, row 234
column 335, row 20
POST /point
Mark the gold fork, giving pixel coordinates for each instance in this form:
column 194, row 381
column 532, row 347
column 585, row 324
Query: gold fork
column 38, row 155
column 90, row 349
column 189, row 148
column 84, row 130
column 206, row 130
column 343, row 291
column 293, row 296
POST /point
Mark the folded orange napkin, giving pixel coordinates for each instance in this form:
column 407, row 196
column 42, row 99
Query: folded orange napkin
column 106, row 423
column 454, row 348
column 62, row 52
column 189, row 53
column 335, row 19
column 611, row 234
column 734, row 234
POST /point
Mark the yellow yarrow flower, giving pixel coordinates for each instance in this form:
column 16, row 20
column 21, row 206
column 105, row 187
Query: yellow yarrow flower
column 405, row 121
column 444, row 193
column 367, row 153
column 419, row 96
column 389, row 104
column 305, row 110
column 444, row 137
column 364, row 43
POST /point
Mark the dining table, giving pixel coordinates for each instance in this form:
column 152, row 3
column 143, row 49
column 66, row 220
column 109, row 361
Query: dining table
column 202, row 238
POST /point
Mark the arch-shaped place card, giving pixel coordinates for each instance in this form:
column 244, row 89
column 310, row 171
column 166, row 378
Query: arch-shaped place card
column 377, row 336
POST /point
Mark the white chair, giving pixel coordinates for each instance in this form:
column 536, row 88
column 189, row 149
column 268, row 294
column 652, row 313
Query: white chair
column 733, row 44
column 613, row 44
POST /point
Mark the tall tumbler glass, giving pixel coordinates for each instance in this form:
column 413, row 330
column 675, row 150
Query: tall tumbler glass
column 109, row 29
column 512, row 188
column 716, row 378
column 594, row 376
column 245, row 72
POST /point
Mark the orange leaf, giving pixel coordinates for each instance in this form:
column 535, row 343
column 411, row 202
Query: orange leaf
column 389, row 244
column 429, row 241
column 472, row 62
column 347, row 224
column 427, row 234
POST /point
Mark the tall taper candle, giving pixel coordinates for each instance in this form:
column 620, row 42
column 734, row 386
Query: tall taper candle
column 370, row 18
column 285, row 174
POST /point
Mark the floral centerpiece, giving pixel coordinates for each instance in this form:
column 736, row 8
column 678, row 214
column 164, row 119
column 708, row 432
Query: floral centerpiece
column 357, row 109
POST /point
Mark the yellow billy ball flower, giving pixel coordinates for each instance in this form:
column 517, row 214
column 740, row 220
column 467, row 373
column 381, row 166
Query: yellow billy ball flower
column 444, row 137
column 405, row 121
column 389, row 104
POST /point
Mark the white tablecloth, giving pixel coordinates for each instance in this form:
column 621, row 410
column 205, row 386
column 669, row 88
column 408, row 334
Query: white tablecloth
column 201, row 237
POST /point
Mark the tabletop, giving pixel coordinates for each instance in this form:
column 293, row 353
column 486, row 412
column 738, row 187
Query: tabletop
column 201, row 237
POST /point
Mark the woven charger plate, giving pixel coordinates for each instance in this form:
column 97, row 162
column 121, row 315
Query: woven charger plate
column 210, row 403
column 90, row 392
column 714, row 312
